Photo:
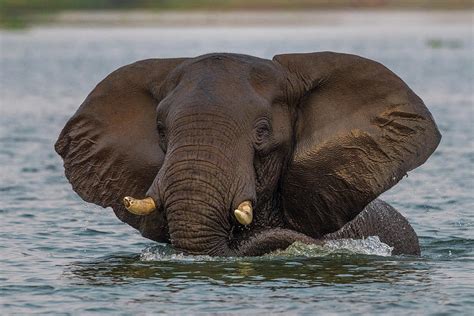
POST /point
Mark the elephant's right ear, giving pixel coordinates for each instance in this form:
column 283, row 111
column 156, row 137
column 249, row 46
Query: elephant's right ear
column 110, row 146
column 359, row 130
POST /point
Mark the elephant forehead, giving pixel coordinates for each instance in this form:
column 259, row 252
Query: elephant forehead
column 226, row 69
column 228, row 61
column 229, row 78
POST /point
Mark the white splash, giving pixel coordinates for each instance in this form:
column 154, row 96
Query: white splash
column 371, row 245
column 368, row 246
column 164, row 252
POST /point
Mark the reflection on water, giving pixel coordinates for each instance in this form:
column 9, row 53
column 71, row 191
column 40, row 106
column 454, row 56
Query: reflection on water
column 330, row 269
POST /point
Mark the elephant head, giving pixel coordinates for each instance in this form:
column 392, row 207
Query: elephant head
column 222, row 145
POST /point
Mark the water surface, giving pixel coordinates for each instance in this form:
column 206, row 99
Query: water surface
column 59, row 254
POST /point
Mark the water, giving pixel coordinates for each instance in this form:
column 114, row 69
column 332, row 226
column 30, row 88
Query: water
column 59, row 254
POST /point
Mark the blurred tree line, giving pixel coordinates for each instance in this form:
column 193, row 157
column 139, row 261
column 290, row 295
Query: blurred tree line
column 20, row 12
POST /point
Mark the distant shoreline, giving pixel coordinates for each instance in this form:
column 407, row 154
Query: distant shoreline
column 242, row 18
column 20, row 13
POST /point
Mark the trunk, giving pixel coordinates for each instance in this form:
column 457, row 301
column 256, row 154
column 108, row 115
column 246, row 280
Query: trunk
column 197, row 228
column 272, row 239
column 197, row 200
column 203, row 179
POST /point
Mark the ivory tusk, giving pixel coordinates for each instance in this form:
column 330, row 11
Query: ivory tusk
column 139, row 207
column 244, row 213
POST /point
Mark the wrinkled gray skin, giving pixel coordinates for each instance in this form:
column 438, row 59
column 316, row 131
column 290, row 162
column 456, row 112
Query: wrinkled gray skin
column 310, row 139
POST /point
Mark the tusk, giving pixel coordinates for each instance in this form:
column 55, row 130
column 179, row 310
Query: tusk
column 139, row 207
column 244, row 213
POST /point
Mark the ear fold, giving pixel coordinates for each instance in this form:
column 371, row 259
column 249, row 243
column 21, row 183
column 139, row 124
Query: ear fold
column 359, row 130
column 110, row 146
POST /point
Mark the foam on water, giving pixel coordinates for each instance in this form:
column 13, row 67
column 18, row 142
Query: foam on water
column 164, row 252
column 368, row 246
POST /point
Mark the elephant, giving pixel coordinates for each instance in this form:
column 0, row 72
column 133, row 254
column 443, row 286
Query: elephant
column 233, row 155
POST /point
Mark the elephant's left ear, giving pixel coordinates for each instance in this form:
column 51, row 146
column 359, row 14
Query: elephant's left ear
column 110, row 146
column 359, row 130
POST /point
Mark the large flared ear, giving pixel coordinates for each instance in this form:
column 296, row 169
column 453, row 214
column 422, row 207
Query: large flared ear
column 359, row 130
column 110, row 146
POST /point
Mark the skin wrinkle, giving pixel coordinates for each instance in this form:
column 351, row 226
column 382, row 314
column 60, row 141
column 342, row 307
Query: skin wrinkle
column 205, row 165
column 367, row 155
column 183, row 166
column 227, row 130
column 185, row 240
column 407, row 115
column 202, row 226
column 173, row 189
column 219, row 182
column 202, row 221
column 178, row 172
column 193, row 227
column 205, row 162
column 196, row 153
column 178, row 207
column 186, row 205
column 204, row 203
column 210, row 117
column 195, row 128
column 189, row 142
column 201, row 139
column 180, row 165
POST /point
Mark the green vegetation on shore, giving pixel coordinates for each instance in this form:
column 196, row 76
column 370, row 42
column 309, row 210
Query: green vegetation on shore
column 21, row 13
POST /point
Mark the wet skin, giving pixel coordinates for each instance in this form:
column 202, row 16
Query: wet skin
column 309, row 141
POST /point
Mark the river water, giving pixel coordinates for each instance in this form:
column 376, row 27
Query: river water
column 59, row 254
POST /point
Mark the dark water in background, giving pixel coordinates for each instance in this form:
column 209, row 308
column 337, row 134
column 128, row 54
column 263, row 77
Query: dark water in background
column 60, row 254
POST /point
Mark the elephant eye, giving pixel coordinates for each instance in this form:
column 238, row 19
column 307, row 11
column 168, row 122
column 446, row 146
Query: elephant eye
column 160, row 127
column 262, row 132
